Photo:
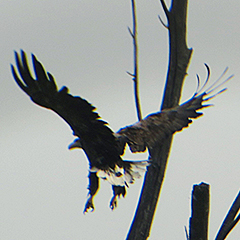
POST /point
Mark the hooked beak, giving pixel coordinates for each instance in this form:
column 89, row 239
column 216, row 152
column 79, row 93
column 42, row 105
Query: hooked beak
column 75, row 144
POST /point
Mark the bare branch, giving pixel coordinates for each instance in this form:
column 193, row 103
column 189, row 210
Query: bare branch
column 160, row 19
column 130, row 31
column 165, row 8
column 133, row 33
column 230, row 220
column 179, row 53
column 131, row 74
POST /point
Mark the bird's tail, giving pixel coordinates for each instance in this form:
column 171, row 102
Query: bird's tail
column 135, row 170
column 125, row 174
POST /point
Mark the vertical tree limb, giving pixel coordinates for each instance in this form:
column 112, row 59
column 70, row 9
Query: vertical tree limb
column 135, row 60
column 198, row 223
column 179, row 54
column 178, row 62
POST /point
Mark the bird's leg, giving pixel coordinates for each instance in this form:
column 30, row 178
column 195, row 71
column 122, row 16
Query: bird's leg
column 117, row 192
column 92, row 187
column 113, row 202
column 89, row 205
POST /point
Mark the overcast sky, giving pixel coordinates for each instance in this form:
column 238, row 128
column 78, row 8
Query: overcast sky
column 86, row 46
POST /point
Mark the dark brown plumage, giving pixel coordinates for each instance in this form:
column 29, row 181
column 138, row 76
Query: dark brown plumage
column 156, row 127
column 101, row 145
column 95, row 137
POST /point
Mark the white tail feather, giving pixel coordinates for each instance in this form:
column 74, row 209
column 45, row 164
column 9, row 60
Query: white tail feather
column 123, row 176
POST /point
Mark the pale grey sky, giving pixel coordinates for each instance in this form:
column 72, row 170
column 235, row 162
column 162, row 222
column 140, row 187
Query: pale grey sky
column 86, row 46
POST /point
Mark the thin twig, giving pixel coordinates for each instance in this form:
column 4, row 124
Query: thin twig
column 230, row 220
column 135, row 50
column 186, row 232
column 164, row 24
column 165, row 8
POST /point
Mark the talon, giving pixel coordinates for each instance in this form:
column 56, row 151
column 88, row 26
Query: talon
column 113, row 203
column 89, row 206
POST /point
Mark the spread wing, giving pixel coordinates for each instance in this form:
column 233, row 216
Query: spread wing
column 97, row 139
column 158, row 126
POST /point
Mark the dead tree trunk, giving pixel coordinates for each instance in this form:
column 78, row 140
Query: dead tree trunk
column 198, row 224
column 179, row 57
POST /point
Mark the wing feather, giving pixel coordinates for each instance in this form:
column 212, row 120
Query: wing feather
column 96, row 137
column 155, row 128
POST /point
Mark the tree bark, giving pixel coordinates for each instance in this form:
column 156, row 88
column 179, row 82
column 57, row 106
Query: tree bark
column 178, row 63
column 198, row 223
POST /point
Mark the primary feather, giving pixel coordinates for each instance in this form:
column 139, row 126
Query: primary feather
column 95, row 137
column 101, row 145
column 156, row 127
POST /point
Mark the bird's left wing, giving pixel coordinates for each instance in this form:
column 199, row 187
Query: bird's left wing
column 156, row 127
column 77, row 112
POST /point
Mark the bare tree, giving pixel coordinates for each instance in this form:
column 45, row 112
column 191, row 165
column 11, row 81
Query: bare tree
column 178, row 62
column 179, row 57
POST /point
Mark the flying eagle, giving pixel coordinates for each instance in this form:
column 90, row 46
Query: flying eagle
column 101, row 145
